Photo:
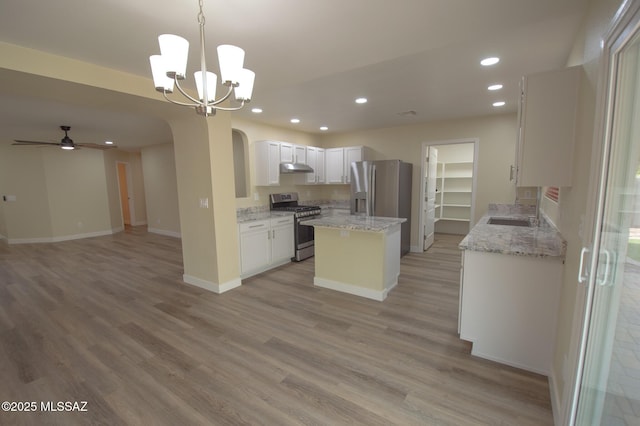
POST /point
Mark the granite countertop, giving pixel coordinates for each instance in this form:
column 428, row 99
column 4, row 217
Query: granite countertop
column 356, row 222
column 260, row 215
column 538, row 241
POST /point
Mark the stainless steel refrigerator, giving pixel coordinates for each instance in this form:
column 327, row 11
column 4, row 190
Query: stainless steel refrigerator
column 383, row 188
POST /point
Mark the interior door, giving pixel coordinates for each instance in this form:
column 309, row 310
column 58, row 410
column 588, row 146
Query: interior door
column 124, row 193
column 608, row 389
column 429, row 209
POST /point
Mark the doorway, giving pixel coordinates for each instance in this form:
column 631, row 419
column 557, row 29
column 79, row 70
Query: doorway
column 607, row 389
column 447, row 188
column 126, row 194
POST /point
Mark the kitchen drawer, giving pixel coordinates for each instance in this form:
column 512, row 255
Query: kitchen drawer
column 254, row 226
column 281, row 221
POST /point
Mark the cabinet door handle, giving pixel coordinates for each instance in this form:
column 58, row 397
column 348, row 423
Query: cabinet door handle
column 273, row 234
column 511, row 170
column 256, row 226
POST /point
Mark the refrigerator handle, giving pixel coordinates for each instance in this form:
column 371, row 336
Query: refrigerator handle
column 371, row 208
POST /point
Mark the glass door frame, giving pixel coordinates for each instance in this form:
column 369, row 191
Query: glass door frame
column 626, row 25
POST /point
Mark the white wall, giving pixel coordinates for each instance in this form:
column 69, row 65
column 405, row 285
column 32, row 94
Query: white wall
column 76, row 190
column 455, row 153
column 63, row 194
column 497, row 136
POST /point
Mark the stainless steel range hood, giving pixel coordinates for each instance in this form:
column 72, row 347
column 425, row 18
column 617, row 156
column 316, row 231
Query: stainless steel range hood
column 295, row 168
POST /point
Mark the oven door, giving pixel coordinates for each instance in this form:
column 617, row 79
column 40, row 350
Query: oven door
column 303, row 234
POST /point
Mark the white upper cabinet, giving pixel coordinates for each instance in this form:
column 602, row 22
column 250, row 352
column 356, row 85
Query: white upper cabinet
column 267, row 163
column 286, row 153
column 547, row 126
column 338, row 163
column 330, row 166
column 351, row 155
column 315, row 160
column 300, row 154
column 335, row 165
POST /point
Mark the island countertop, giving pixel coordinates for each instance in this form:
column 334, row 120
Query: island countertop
column 539, row 241
column 261, row 215
column 356, row 222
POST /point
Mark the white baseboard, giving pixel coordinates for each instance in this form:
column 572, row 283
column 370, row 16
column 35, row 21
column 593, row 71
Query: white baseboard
column 491, row 357
column 211, row 286
column 62, row 238
column 165, row 232
column 139, row 223
column 416, row 249
column 352, row 289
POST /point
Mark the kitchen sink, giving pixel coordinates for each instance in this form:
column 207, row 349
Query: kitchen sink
column 508, row 221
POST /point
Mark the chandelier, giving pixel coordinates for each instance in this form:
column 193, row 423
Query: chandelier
column 170, row 67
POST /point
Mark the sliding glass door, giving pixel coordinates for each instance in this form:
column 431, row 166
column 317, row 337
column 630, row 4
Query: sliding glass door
column 609, row 389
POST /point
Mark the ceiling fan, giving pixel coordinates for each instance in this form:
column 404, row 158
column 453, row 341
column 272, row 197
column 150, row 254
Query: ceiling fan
column 65, row 143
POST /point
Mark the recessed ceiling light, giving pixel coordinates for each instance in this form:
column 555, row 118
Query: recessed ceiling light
column 256, row 110
column 361, row 100
column 295, row 120
column 495, row 87
column 489, row 61
column 499, row 103
column 324, row 128
column 108, row 142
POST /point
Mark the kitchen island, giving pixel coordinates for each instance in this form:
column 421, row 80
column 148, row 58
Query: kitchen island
column 357, row 254
column 510, row 288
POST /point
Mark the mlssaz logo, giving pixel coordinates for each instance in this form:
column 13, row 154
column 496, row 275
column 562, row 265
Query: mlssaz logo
column 63, row 406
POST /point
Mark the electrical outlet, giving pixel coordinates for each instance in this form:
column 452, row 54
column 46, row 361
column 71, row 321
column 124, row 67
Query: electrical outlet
column 256, row 196
column 204, row 203
column 344, row 233
column 80, row 225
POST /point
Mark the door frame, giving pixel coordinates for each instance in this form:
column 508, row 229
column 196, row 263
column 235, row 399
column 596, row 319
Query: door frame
column 625, row 22
column 132, row 212
column 423, row 156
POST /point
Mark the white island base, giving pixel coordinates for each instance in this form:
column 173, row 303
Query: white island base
column 361, row 262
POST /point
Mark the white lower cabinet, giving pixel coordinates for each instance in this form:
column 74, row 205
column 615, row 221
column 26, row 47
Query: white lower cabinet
column 282, row 240
column 265, row 244
column 508, row 308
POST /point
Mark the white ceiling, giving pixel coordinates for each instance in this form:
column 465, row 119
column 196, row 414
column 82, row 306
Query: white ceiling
column 312, row 58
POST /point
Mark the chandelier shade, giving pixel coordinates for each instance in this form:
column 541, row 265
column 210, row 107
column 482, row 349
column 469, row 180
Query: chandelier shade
column 170, row 67
column 161, row 81
column 245, row 85
column 175, row 51
column 212, row 81
column 231, row 60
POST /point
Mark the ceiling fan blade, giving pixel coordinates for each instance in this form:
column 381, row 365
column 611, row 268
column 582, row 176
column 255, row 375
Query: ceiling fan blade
column 95, row 146
column 20, row 142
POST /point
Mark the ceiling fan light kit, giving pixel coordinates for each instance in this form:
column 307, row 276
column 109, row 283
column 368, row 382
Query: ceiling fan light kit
column 66, row 142
column 170, row 67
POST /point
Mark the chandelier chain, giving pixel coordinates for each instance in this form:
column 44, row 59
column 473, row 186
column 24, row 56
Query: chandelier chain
column 201, row 13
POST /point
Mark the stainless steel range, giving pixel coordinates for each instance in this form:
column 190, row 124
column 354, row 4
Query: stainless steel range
column 303, row 235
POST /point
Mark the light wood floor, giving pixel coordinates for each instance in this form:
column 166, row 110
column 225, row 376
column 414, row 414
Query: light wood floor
column 108, row 320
